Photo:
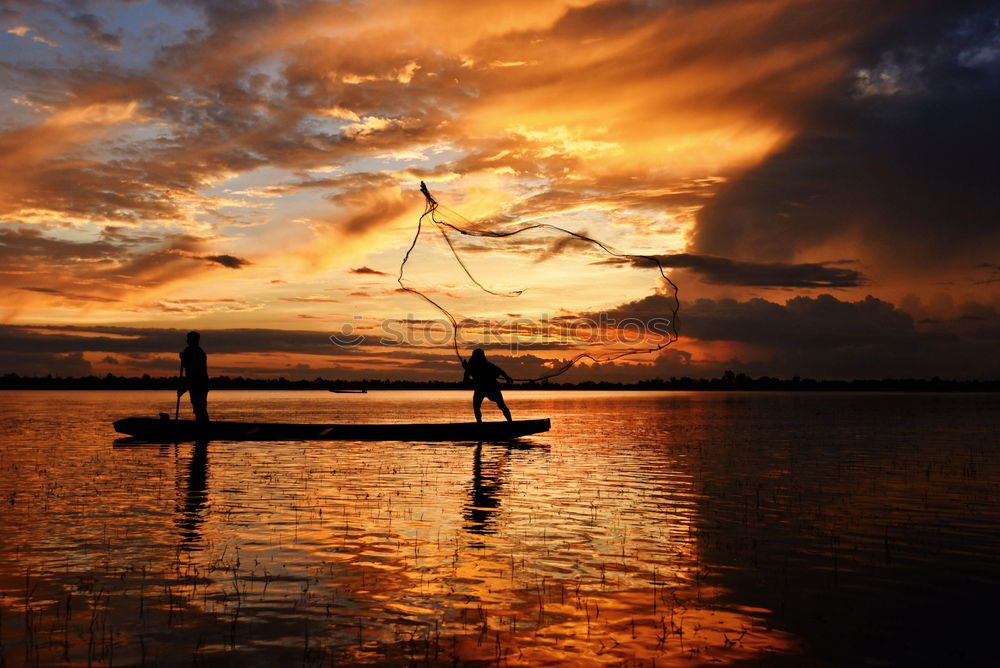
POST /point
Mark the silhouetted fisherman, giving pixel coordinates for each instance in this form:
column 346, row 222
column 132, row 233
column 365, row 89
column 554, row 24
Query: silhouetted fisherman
column 483, row 375
column 194, row 369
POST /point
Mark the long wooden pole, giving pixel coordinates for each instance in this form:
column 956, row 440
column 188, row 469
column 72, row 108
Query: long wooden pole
column 180, row 378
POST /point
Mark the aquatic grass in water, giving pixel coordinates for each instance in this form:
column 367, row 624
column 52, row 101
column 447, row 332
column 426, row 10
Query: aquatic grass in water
column 664, row 528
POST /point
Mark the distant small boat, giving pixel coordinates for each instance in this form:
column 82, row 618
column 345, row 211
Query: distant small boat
column 362, row 391
column 170, row 431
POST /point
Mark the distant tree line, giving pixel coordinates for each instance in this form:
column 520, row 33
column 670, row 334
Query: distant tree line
column 728, row 381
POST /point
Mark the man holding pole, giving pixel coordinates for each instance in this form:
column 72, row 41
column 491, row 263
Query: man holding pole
column 194, row 377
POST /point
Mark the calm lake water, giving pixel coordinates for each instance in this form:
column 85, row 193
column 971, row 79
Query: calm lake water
column 647, row 528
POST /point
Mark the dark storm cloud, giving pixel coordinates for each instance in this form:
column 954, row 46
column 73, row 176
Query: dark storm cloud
column 819, row 337
column 826, row 337
column 60, row 340
column 29, row 363
column 803, row 321
column 230, row 261
column 901, row 157
column 723, row 271
column 817, row 321
column 367, row 270
column 138, row 346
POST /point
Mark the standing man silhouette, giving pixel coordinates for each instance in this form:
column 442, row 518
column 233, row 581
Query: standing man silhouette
column 194, row 367
column 483, row 375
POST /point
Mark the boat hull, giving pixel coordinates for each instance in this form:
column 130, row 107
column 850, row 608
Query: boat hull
column 170, row 431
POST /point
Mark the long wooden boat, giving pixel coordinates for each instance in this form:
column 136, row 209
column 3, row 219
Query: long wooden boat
column 169, row 431
column 361, row 391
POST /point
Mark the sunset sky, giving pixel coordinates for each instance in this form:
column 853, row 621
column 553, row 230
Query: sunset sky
column 819, row 179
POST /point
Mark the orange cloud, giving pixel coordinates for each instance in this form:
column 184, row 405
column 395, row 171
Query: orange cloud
column 286, row 140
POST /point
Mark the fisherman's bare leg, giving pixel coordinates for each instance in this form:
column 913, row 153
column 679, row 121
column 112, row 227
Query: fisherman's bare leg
column 199, row 403
column 477, row 403
column 503, row 408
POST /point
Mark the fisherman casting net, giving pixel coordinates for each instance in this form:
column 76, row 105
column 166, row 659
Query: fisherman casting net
column 496, row 283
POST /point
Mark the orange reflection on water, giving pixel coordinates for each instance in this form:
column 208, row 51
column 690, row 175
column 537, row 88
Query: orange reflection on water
column 382, row 553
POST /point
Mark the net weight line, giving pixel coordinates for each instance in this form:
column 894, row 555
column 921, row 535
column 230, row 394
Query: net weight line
column 430, row 209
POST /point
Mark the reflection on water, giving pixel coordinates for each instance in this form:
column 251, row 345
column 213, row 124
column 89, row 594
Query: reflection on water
column 195, row 499
column 486, row 489
column 675, row 529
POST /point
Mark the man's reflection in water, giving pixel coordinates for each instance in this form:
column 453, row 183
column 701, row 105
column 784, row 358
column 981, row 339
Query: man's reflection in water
column 195, row 497
column 487, row 485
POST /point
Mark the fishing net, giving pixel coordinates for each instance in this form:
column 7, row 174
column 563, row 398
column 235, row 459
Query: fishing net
column 535, row 292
